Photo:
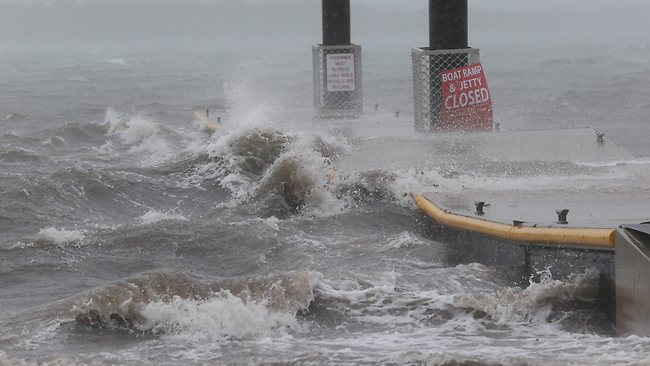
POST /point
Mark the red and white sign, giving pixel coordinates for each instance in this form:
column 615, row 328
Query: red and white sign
column 340, row 72
column 466, row 101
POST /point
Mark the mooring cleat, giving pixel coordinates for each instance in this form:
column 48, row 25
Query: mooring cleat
column 561, row 216
column 479, row 207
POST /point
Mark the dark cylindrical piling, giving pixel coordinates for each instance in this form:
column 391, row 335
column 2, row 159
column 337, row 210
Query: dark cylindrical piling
column 336, row 22
column 337, row 65
column 447, row 24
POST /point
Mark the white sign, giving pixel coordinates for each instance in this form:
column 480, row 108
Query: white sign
column 340, row 72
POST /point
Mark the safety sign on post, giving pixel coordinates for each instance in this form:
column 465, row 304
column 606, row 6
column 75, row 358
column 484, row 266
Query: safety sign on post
column 340, row 72
column 466, row 102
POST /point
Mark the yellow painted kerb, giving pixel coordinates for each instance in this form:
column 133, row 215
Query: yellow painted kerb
column 602, row 238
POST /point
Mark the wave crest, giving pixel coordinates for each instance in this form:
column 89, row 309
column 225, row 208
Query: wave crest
column 177, row 303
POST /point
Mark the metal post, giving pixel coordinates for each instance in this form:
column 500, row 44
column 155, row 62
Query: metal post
column 336, row 22
column 447, row 24
column 448, row 49
column 447, row 31
column 337, row 65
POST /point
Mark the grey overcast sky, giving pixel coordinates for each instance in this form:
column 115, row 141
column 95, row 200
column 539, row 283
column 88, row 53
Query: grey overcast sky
column 510, row 4
column 54, row 22
column 498, row 4
column 419, row 4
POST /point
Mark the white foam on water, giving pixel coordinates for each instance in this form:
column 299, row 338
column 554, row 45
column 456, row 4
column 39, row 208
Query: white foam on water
column 117, row 61
column 54, row 140
column 272, row 222
column 375, row 286
column 107, row 148
column 215, row 170
column 21, row 245
column 221, row 318
column 445, row 324
column 466, row 340
column 63, row 237
column 145, row 136
column 154, row 216
column 405, row 239
column 530, row 305
column 386, row 300
column 43, row 335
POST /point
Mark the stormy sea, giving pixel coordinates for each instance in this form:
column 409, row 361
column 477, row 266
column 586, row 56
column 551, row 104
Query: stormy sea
column 129, row 234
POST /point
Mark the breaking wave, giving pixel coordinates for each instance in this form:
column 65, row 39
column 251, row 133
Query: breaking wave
column 531, row 304
column 176, row 303
column 143, row 136
column 279, row 173
column 222, row 316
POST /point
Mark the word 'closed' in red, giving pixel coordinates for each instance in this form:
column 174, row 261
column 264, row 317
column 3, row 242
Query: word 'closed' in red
column 466, row 102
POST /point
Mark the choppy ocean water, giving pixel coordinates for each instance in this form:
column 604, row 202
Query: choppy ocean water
column 130, row 235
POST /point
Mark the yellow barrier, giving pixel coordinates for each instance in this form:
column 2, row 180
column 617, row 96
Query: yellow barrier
column 602, row 238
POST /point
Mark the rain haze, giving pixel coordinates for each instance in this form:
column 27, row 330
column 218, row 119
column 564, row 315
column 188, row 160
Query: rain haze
column 173, row 190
